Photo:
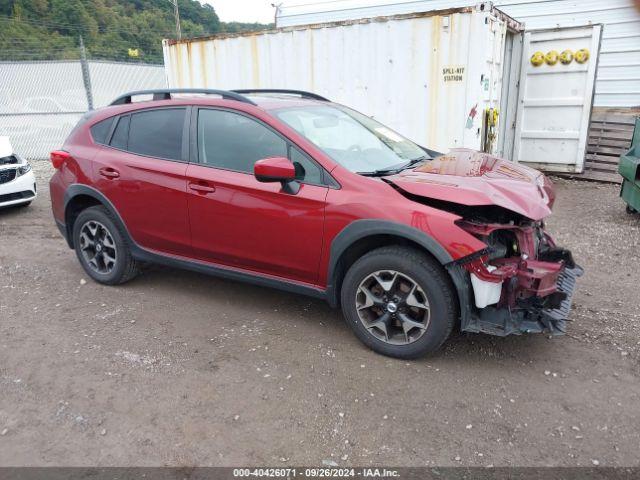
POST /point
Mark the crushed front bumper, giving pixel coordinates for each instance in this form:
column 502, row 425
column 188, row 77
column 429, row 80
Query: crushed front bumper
column 530, row 315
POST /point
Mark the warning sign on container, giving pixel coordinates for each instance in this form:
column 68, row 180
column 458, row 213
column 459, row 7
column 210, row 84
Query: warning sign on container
column 453, row 73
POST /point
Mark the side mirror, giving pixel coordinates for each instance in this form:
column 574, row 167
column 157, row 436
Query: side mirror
column 274, row 169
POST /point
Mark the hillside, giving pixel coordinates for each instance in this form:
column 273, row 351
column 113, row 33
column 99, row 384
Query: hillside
column 111, row 29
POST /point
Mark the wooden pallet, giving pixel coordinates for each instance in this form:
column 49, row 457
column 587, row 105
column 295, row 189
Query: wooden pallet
column 610, row 133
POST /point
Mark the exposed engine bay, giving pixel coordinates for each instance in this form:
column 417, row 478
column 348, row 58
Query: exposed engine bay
column 521, row 281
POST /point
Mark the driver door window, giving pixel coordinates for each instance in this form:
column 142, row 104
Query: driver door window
column 307, row 170
column 234, row 142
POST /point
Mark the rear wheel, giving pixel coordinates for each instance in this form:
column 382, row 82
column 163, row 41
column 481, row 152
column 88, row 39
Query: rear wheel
column 101, row 247
column 399, row 302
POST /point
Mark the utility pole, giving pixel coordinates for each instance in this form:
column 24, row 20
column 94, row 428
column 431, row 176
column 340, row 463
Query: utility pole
column 276, row 14
column 176, row 13
column 86, row 77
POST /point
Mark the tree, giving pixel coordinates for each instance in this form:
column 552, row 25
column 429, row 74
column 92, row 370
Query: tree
column 49, row 29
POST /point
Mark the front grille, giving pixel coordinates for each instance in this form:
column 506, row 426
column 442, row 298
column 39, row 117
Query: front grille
column 16, row 196
column 7, row 175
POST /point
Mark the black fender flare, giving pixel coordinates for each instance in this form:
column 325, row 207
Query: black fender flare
column 78, row 189
column 360, row 229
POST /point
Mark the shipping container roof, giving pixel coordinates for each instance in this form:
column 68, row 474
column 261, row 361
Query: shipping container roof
column 488, row 6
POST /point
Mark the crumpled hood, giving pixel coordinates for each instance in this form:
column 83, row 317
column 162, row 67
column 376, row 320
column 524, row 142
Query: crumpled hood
column 467, row 177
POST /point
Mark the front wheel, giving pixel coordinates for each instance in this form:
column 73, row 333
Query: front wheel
column 399, row 302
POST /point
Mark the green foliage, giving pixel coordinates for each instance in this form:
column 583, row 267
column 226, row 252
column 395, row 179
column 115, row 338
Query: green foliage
column 50, row 29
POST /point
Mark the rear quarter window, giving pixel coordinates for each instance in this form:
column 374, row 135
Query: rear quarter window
column 100, row 130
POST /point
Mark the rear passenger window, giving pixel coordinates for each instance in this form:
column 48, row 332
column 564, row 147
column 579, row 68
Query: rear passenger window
column 100, row 130
column 157, row 133
column 121, row 134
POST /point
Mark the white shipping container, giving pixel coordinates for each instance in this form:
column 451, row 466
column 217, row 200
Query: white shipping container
column 430, row 75
column 618, row 77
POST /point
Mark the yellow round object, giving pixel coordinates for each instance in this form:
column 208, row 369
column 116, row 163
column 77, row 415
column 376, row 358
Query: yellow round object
column 582, row 55
column 566, row 57
column 537, row 59
column 494, row 120
column 551, row 58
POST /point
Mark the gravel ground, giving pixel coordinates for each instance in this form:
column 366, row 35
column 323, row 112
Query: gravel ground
column 176, row 368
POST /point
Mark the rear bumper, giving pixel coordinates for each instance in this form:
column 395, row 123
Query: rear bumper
column 532, row 315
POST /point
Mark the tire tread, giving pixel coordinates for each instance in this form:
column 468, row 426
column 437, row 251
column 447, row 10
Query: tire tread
column 434, row 269
column 131, row 266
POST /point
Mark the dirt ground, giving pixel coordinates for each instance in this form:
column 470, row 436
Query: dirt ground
column 176, row 368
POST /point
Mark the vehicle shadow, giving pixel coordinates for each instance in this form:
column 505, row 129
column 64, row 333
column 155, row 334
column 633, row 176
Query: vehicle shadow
column 460, row 347
column 12, row 211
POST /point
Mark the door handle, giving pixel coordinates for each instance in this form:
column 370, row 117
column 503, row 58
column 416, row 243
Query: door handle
column 202, row 188
column 109, row 172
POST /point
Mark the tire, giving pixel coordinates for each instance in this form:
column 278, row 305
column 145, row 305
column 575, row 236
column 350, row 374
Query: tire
column 432, row 308
column 116, row 266
column 631, row 210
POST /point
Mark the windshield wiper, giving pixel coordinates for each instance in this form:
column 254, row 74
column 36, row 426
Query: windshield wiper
column 379, row 173
column 416, row 161
column 391, row 171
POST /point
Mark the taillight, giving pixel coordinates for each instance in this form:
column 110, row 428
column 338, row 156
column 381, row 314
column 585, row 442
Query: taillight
column 58, row 157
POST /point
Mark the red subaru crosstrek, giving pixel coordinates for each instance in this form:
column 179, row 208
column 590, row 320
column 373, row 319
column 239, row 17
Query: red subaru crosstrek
column 286, row 189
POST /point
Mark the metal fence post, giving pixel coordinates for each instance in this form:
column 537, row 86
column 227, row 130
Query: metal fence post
column 86, row 77
column 38, row 115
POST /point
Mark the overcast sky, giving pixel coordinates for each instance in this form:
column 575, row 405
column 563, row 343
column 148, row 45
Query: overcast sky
column 244, row 10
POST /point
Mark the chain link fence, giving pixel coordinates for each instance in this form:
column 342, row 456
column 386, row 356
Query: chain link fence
column 41, row 101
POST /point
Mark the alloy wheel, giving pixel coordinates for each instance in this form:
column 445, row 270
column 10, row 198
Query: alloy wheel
column 98, row 247
column 393, row 307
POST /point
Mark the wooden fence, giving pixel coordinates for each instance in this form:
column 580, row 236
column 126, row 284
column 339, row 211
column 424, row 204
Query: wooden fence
column 610, row 133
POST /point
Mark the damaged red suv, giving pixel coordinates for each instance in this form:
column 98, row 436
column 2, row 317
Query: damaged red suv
column 286, row 189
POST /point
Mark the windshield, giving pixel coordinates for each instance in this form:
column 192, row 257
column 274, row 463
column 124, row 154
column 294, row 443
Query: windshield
column 355, row 141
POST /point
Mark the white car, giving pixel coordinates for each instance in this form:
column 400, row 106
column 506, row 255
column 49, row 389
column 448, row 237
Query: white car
column 17, row 181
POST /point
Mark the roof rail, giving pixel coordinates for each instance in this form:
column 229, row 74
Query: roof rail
column 302, row 93
column 165, row 94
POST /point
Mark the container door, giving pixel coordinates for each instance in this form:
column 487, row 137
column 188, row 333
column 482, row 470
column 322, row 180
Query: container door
column 509, row 94
column 555, row 97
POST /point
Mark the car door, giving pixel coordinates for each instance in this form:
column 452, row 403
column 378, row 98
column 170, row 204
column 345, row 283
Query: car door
column 240, row 222
column 141, row 170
